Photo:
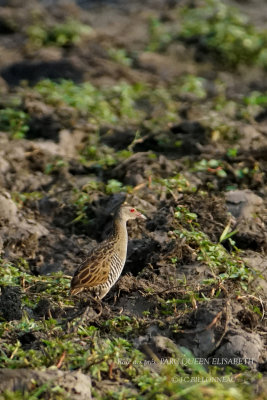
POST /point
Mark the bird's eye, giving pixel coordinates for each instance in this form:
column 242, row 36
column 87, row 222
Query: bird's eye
column 132, row 210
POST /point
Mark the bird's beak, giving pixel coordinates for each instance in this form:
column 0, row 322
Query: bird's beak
column 140, row 215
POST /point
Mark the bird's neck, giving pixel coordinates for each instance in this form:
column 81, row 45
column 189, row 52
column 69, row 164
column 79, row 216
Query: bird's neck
column 120, row 237
column 119, row 229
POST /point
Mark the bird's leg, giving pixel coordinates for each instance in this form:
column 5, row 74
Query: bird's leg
column 95, row 299
column 84, row 313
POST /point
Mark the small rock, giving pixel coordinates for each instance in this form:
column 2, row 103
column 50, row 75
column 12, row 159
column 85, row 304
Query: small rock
column 258, row 263
column 244, row 346
column 4, row 166
column 165, row 345
column 242, row 203
column 68, row 143
column 250, row 138
column 3, row 86
column 8, row 209
column 75, row 384
column 247, row 207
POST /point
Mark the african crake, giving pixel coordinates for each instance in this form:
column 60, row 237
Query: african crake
column 104, row 264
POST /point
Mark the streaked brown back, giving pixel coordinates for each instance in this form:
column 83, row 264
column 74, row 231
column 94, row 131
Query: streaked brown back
column 94, row 270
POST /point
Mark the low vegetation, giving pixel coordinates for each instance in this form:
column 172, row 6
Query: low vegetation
column 215, row 28
column 101, row 348
column 64, row 34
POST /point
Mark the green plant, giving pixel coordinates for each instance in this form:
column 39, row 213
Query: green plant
column 232, row 152
column 55, row 166
column 184, row 215
column 65, row 34
column 177, row 183
column 256, row 98
column 255, row 103
column 212, row 166
column 192, row 86
column 227, row 234
column 105, row 105
column 120, row 56
column 55, row 393
column 122, row 324
column 114, row 186
column 80, row 202
column 22, row 198
column 15, row 122
column 225, row 265
column 82, row 198
column 225, row 33
column 55, row 286
column 104, row 353
column 159, row 36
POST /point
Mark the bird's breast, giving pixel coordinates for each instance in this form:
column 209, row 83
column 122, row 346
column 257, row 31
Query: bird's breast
column 116, row 267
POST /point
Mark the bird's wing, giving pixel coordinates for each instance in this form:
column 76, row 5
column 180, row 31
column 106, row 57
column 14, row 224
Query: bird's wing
column 94, row 270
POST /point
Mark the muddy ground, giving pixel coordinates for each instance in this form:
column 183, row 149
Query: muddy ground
column 39, row 229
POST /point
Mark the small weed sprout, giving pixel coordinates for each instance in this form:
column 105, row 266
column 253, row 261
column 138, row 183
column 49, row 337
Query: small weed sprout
column 68, row 33
column 15, row 122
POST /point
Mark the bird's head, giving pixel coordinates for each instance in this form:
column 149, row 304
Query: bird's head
column 127, row 212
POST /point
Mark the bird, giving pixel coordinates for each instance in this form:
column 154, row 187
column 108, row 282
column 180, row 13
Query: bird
column 104, row 264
